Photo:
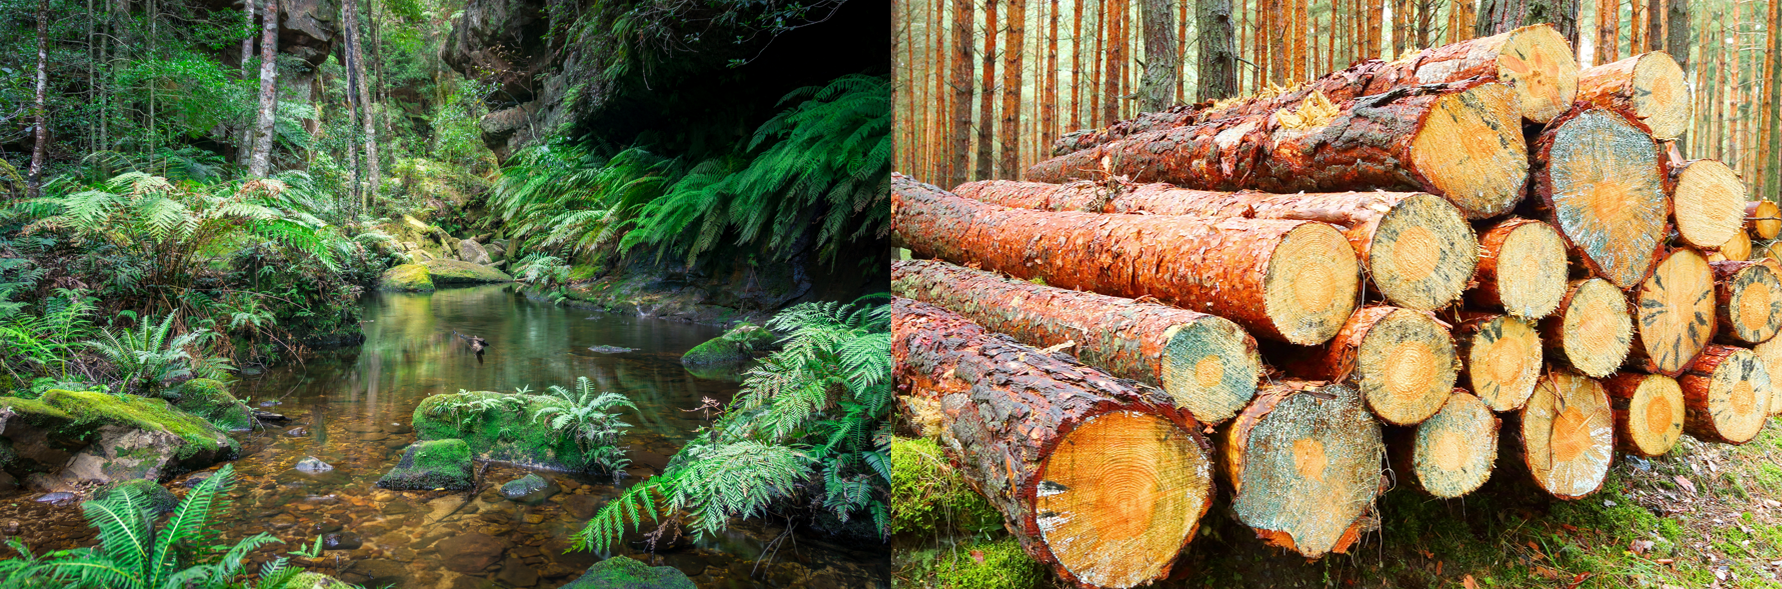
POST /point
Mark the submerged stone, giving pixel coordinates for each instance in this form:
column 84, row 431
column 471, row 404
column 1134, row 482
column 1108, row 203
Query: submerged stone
column 57, row 498
column 157, row 498
column 624, row 573
column 428, row 465
column 530, row 489
column 741, row 344
column 406, row 278
column 311, row 464
column 471, row 553
column 610, row 349
column 341, row 541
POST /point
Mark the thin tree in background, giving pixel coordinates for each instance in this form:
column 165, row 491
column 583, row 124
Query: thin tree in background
column 1218, row 63
column 1608, row 30
column 1160, row 55
column 39, row 106
column 1116, row 60
column 986, row 114
column 362, row 85
column 261, row 162
column 1676, row 33
column 1655, row 25
column 1772, row 111
column 1502, row 16
column 1049, row 103
column 244, row 145
column 1375, row 22
column 958, row 135
column 1076, row 65
column 1014, row 49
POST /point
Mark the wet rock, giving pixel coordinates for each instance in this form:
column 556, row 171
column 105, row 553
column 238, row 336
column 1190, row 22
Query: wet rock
column 397, row 428
column 297, row 432
column 530, row 489
column 509, row 435
column 610, row 349
column 197, row 477
column 270, row 417
column 624, row 573
column 398, row 507
column 327, row 527
column 471, row 251
column 742, row 343
column 313, row 465
column 582, row 507
column 57, row 498
column 271, row 403
column 470, row 553
column 443, row 271
column 438, row 464
column 283, row 521
column 517, row 573
column 380, row 571
column 406, row 278
column 132, row 437
column 158, row 499
column 342, row 541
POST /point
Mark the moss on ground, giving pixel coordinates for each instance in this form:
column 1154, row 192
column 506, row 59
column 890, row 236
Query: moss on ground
column 435, row 464
column 211, row 400
column 741, row 344
column 975, row 564
column 500, row 427
column 406, row 278
column 87, row 410
column 443, row 271
column 929, row 497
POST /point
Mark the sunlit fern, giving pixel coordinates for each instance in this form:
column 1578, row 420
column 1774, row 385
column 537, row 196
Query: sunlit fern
column 590, row 419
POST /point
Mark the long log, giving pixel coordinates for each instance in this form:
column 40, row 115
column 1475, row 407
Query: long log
column 1770, row 354
column 1401, row 361
column 1673, row 313
column 1600, row 180
column 1295, row 281
column 1727, row 391
column 1501, row 359
column 1763, row 219
column 1522, row 268
column 1452, row 453
column 1567, row 435
column 1103, row 481
column 1592, row 330
column 1648, row 412
column 1206, row 364
column 1534, row 61
column 1417, row 248
column 1748, row 301
column 1649, row 85
column 1708, row 200
column 1305, row 460
column 1461, row 141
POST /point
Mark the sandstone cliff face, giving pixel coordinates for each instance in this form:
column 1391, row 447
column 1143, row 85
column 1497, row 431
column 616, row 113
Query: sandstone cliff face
column 541, row 88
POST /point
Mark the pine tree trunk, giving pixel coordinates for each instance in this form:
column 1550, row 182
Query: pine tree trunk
column 1648, row 412
column 1724, row 391
column 1500, row 16
column 1160, row 57
column 1014, row 49
column 1116, row 60
column 1600, row 180
column 261, row 161
column 1522, row 269
column 1304, row 461
column 1294, row 281
column 1608, row 30
column 1055, row 445
column 1205, row 363
column 959, row 133
column 1591, row 331
column 1076, row 66
column 1049, row 100
column 1500, row 359
column 39, row 105
column 987, row 99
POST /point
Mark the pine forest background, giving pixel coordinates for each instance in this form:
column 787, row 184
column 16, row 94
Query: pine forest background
column 983, row 87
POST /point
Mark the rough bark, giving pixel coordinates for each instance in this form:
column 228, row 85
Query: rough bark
column 1206, row 364
column 1748, row 301
column 1294, row 281
column 1648, row 412
column 260, row 163
column 1218, row 61
column 1592, row 330
column 1566, row 435
column 1727, row 393
column 1401, row 361
column 1500, row 359
column 1160, row 56
column 1418, row 249
column 39, row 108
column 1708, row 202
column 1498, row 16
column 1043, row 437
column 1649, row 85
column 987, row 96
column 1673, row 313
column 1600, row 179
column 1763, row 219
column 244, row 139
column 959, row 133
column 1522, row 269
column 1460, row 141
column 1452, row 453
column 1009, row 141
column 1304, row 461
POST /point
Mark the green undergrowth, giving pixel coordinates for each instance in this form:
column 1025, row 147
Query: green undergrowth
column 973, row 564
column 501, row 426
column 927, row 496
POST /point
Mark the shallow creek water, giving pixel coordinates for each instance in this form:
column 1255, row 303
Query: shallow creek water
column 352, row 409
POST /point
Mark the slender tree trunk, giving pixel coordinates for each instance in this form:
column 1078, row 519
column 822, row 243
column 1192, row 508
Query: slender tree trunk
column 1772, row 96
column 1116, row 58
column 1218, row 64
column 1049, row 101
column 352, row 128
column 261, row 162
column 1608, row 31
column 1014, row 49
column 959, row 133
column 360, row 84
column 244, row 144
column 1676, row 34
column 38, row 106
column 1096, row 59
column 1160, row 55
column 987, row 104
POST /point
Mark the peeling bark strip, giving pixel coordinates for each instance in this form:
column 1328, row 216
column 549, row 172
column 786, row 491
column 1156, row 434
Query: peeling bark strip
column 1709, row 202
column 1727, row 391
column 1417, row 248
column 1601, row 179
column 1534, row 61
column 1501, row 359
column 1674, row 313
column 1052, row 444
column 1649, row 85
column 1462, row 141
column 1522, row 268
column 1452, row 453
column 1748, row 301
column 1763, row 219
column 1568, row 435
column 1592, row 331
column 1305, row 463
column 1770, row 354
column 1295, row 281
column 1206, row 363
column 1648, row 412
column 1401, row 361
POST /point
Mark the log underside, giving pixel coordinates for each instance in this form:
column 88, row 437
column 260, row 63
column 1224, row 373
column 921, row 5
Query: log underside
column 1305, row 460
column 1601, row 179
column 1568, row 435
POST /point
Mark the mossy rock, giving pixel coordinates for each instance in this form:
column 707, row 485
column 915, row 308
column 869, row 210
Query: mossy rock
column 624, row 573
column 741, row 344
column 211, row 400
column 980, row 564
column 91, row 409
column 929, row 497
column 158, row 499
column 315, row 581
column 429, row 465
column 406, row 278
column 505, row 431
column 444, row 271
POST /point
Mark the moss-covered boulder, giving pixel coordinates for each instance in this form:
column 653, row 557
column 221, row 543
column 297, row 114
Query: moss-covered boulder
column 406, row 278
column 315, row 581
column 624, row 573
column 444, row 271
column 158, row 499
column 501, row 427
column 741, row 344
column 211, row 400
column 928, row 497
column 435, row 464
column 72, row 437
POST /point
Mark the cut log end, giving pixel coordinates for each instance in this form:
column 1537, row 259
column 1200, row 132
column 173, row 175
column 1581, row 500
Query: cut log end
column 1592, row 330
column 1422, row 253
column 1770, row 354
column 1710, row 202
column 1503, row 360
column 1737, row 249
column 1648, row 412
column 1456, row 448
column 1727, row 391
column 1675, row 310
column 1311, row 284
column 1764, row 219
column 1210, row 368
column 1660, row 96
column 1604, row 187
column 1471, row 150
column 1305, row 460
column 1524, row 264
column 1537, row 62
column 1568, row 435
column 1404, row 366
column 1750, row 301
column 1120, row 495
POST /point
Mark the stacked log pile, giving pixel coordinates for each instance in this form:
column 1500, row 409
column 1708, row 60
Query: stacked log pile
column 1417, row 277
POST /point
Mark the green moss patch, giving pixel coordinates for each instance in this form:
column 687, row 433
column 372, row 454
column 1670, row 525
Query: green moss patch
column 88, row 410
column 624, row 573
column 501, row 427
column 406, row 278
column 428, row 465
column 928, row 496
column 980, row 564
column 211, row 400
column 444, row 271
column 741, row 344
